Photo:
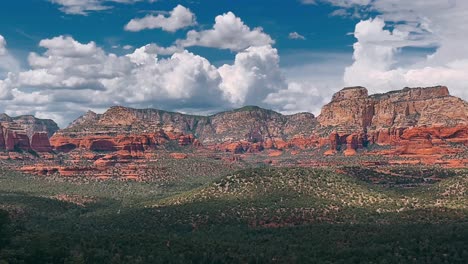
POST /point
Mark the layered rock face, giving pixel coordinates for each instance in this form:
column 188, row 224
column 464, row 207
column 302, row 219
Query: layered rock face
column 417, row 125
column 356, row 119
column 431, row 106
column 25, row 133
column 16, row 140
column 255, row 124
column 386, row 119
column 130, row 143
column 40, row 142
column 30, row 124
column 253, row 127
column 352, row 109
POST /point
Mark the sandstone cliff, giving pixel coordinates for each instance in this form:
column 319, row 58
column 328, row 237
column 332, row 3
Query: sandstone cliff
column 391, row 119
column 31, row 124
column 25, row 133
column 352, row 109
column 251, row 124
column 357, row 119
column 412, row 125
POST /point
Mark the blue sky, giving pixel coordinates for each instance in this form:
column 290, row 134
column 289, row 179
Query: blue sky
column 59, row 58
column 25, row 27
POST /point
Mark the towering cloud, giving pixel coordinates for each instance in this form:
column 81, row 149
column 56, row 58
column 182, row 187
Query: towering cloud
column 254, row 74
column 228, row 32
column 73, row 76
column 382, row 42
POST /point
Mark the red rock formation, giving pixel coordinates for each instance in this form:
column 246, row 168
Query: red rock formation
column 178, row 155
column 108, row 143
column 235, row 147
column 29, row 124
column 40, row 142
column 64, row 144
column 349, row 110
column 351, row 145
column 417, row 123
column 429, row 141
column 185, row 140
column 255, row 147
column 15, row 140
column 387, row 117
column 334, row 139
column 2, row 139
column 275, row 153
column 304, row 143
column 352, row 110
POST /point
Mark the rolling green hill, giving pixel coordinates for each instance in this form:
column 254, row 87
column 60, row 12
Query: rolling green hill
column 258, row 215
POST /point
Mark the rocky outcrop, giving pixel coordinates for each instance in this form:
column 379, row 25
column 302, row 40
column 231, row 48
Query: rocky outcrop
column 16, row 140
column 430, row 140
column 25, row 133
column 40, row 142
column 244, row 130
column 386, row 119
column 2, row 139
column 64, row 144
column 334, row 142
column 30, row 124
column 103, row 143
column 88, row 118
column 252, row 124
column 352, row 110
column 410, row 107
column 352, row 145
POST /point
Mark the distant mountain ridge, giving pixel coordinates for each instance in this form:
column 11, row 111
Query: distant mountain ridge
column 250, row 122
column 350, row 110
column 353, row 119
column 409, row 126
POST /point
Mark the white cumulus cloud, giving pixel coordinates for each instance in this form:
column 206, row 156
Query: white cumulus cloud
column 228, row 32
column 180, row 17
column 8, row 64
column 412, row 24
column 70, row 77
column 254, row 74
